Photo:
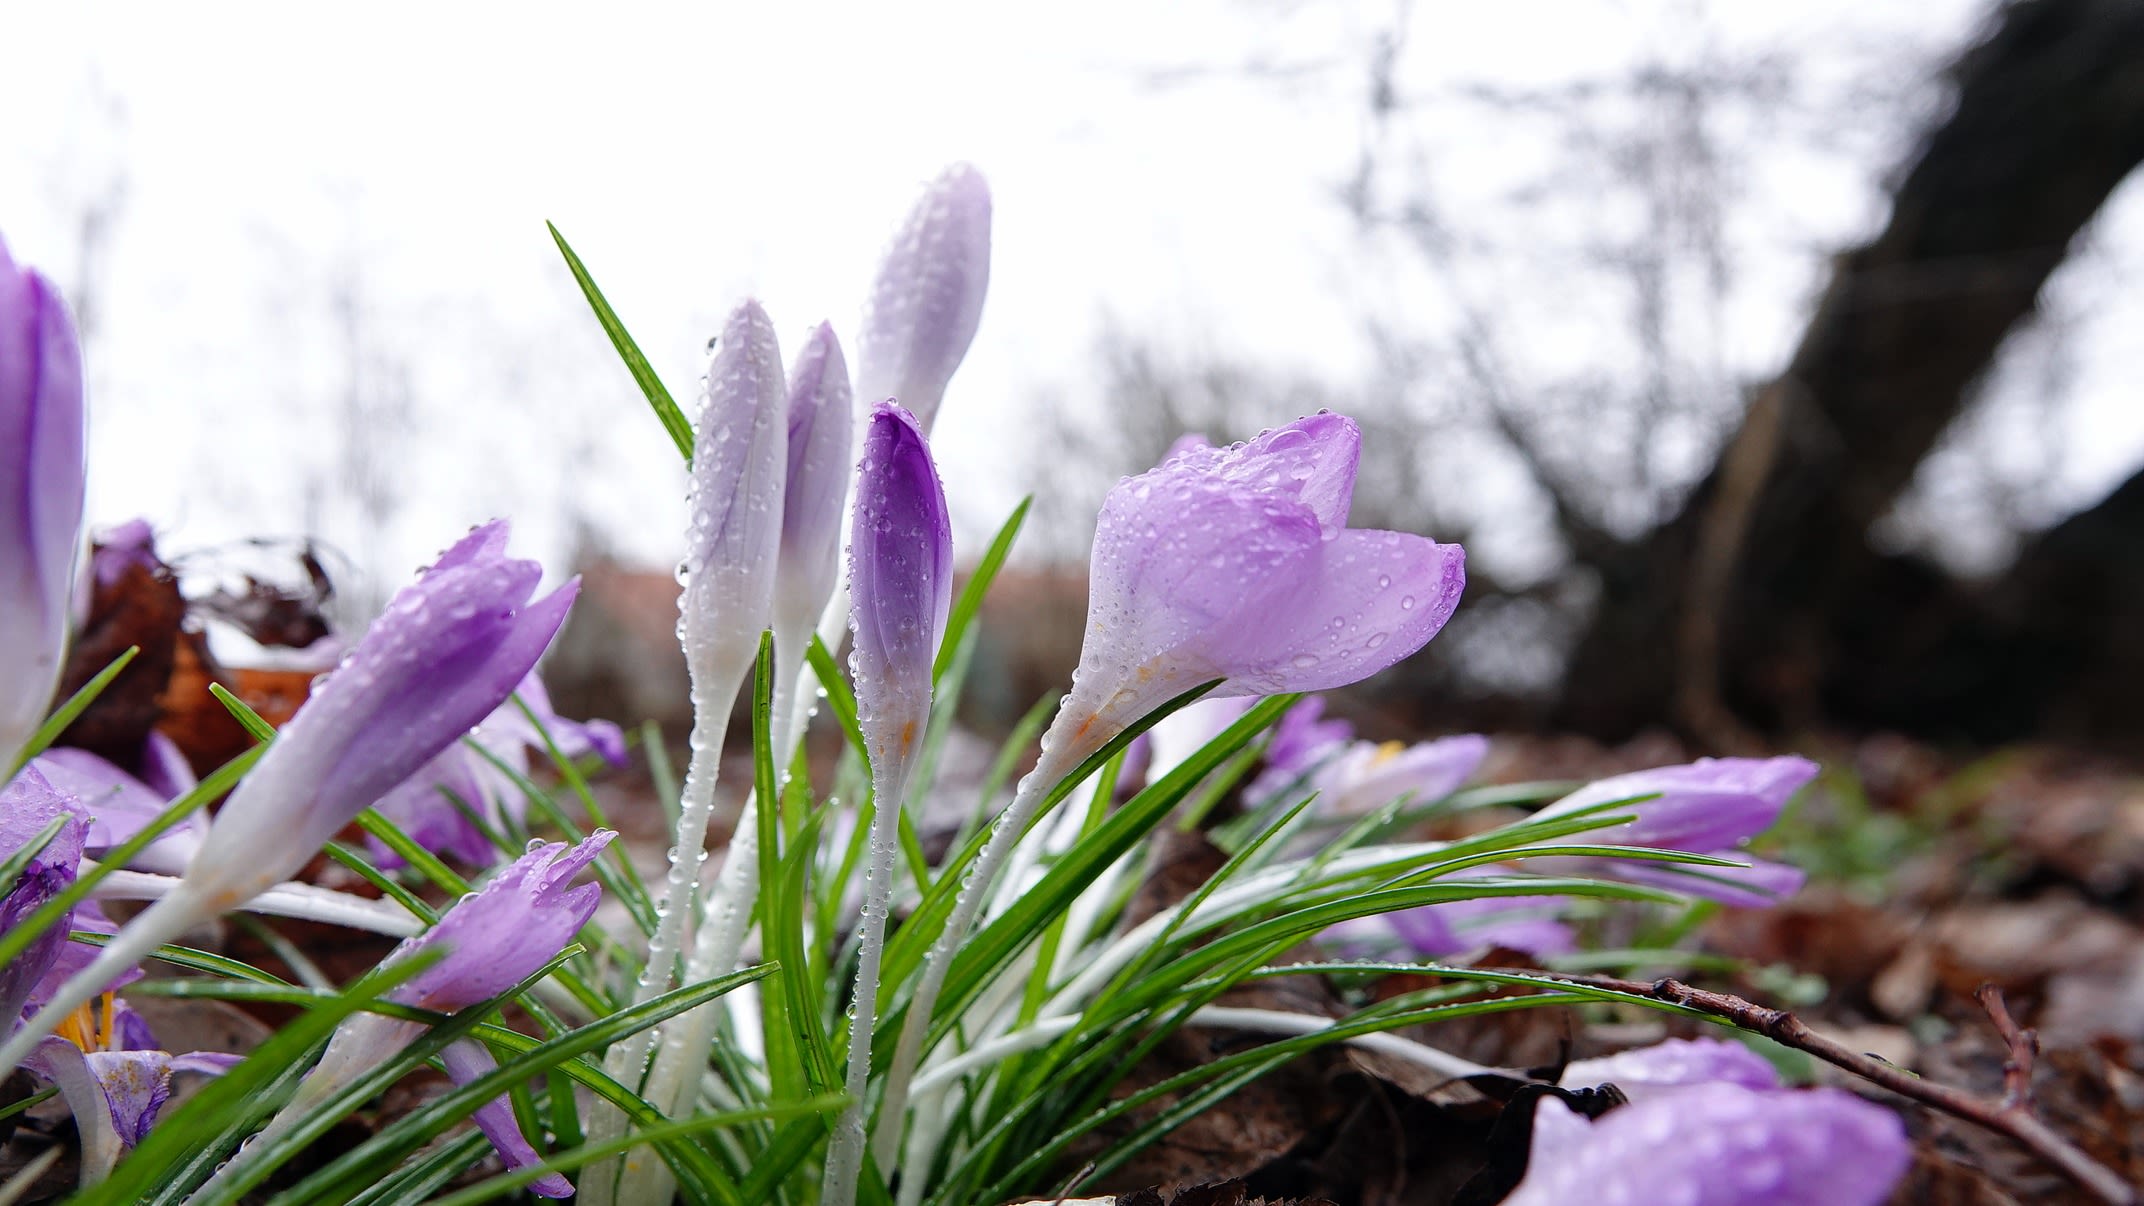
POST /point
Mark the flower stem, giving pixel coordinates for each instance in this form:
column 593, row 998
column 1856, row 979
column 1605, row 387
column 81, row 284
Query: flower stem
column 845, row 1152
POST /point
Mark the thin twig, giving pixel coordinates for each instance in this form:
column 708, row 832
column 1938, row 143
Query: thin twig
column 1781, row 1026
column 2023, row 1045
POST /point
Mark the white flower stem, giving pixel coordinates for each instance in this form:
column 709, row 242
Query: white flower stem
column 677, row 1070
column 306, row 902
column 845, row 1151
column 1058, row 759
column 714, row 693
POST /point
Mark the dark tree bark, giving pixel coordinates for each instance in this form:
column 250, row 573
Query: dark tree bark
column 1761, row 602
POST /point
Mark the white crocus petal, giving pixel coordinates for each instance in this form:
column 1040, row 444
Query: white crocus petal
column 740, row 472
column 928, row 298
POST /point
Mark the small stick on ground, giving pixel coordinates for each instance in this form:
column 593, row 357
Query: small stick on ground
column 2023, row 1045
column 2011, row 1116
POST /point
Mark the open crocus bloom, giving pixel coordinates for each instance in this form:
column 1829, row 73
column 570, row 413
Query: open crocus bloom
column 1709, row 1128
column 1710, row 806
column 1237, row 564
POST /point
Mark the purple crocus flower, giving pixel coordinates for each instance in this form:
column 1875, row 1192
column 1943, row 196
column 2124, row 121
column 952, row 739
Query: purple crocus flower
column 449, row 649
column 1366, row 776
column 1710, row 806
column 900, row 587
column 115, row 1078
column 424, row 808
column 900, row 581
column 1233, row 564
column 119, row 804
column 41, row 490
column 1236, row 564
column 1739, row 1140
column 28, row 805
column 1642, row 1071
column 491, row 940
column 820, row 425
column 1520, row 923
column 928, row 298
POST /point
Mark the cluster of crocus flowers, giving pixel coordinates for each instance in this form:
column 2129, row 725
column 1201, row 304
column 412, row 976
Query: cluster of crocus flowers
column 449, row 649
column 101, row 1057
column 42, row 425
column 1228, row 566
column 771, row 470
column 490, row 941
column 1709, row 1124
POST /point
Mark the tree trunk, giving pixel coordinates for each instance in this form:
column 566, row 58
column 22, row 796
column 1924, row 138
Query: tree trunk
column 1762, row 602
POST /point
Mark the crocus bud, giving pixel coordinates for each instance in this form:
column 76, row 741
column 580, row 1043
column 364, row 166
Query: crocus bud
column 489, row 941
column 819, row 441
column 900, row 580
column 450, row 648
column 1710, row 806
column 900, row 587
column 739, row 472
column 41, row 481
column 928, row 298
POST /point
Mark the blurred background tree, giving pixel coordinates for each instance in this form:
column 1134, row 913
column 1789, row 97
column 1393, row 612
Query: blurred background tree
column 1727, row 556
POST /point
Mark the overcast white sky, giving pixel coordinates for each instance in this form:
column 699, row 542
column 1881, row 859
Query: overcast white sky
column 408, row 155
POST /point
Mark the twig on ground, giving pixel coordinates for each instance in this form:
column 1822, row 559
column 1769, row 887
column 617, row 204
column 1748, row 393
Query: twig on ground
column 2011, row 1116
column 2023, row 1045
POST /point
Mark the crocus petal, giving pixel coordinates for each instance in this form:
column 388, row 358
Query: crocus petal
column 740, row 469
column 448, row 651
column 1710, row 807
column 424, row 806
column 928, row 298
column 27, row 806
column 900, row 581
column 73, row 956
column 1373, row 593
column 136, row 1085
column 122, row 547
column 1312, row 461
column 501, row 934
column 466, row 1060
column 1710, row 804
column 1221, row 564
column 1302, row 738
column 63, row 1065
column 119, row 806
column 1755, row 886
column 1522, row 923
column 41, row 492
column 164, row 767
column 1368, row 776
column 1718, row 1145
column 1673, row 1063
column 820, row 435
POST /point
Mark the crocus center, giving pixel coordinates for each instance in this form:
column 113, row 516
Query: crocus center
column 1386, row 753
column 90, row 1026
